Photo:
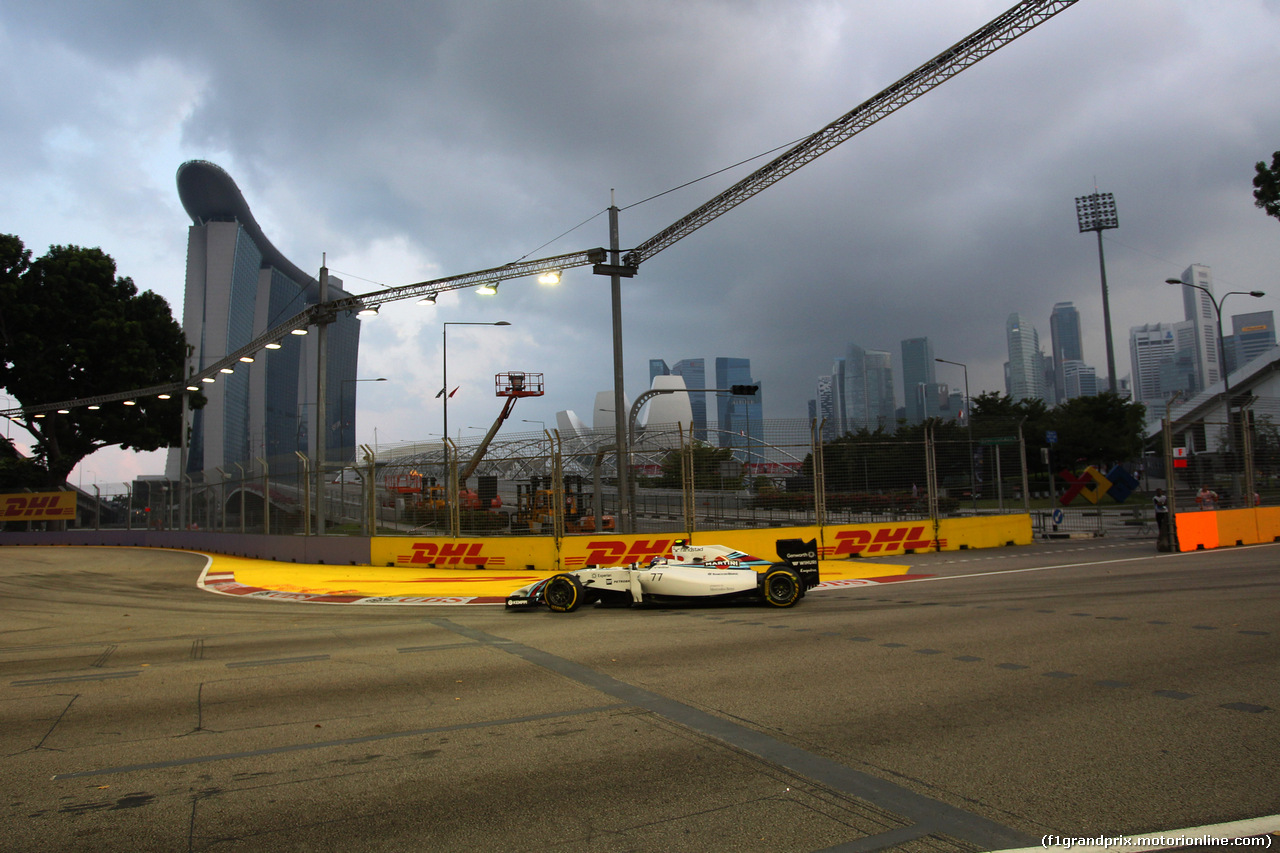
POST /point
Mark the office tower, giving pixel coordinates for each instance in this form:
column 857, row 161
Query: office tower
column 1163, row 360
column 1253, row 334
column 839, row 414
column 740, row 419
column 1198, row 309
column 855, row 389
column 917, row 370
column 933, row 400
column 1064, row 335
column 880, row 389
column 238, row 287
column 1026, row 377
column 868, row 389
column 824, row 408
column 1078, row 380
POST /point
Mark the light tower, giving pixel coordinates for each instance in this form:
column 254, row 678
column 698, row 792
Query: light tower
column 1097, row 212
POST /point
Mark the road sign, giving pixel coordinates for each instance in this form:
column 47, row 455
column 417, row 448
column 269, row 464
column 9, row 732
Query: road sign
column 1051, row 436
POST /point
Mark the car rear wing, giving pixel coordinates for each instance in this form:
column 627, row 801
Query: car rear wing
column 801, row 556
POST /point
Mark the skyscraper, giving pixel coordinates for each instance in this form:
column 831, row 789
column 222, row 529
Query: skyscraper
column 740, row 419
column 823, row 408
column 1198, row 309
column 1253, row 334
column 839, row 417
column 881, row 404
column 855, row 389
column 1026, row 373
column 917, row 371
column 238, row 287
column 1163, row 360
column 1064, row 334
column 868, row 389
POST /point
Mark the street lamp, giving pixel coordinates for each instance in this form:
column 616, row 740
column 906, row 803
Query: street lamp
column 1217, row 310
column 444, row 370
column 1222, row 348
column 968, row 422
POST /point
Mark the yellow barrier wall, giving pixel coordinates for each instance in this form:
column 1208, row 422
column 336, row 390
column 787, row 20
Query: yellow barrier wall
column 1268, row 523
column 510, row 552
column 836, row 542
column 1237, row 527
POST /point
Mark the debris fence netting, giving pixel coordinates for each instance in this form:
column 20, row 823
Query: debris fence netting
column 685, row 478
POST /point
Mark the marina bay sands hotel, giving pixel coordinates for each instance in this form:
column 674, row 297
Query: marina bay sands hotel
column 238, row 287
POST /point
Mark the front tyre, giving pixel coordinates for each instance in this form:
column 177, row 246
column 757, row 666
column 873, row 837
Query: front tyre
column 782, row 588
column 563, row 593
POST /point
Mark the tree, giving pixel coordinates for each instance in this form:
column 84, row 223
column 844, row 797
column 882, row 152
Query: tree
column 708, row 466
column 1266, row 182
column 71, row 329
column 1100, row 430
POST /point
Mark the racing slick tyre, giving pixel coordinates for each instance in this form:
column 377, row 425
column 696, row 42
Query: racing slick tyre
column 563, row 593
column 782, row 588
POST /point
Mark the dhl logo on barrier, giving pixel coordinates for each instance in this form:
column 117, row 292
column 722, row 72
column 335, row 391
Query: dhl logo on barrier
column 883, row 541
column 461, row 554
column 1093, row 484
column 41, row 506
column 612, row 552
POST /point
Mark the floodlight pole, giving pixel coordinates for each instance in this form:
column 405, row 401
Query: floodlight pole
column 322, row 380
column 616, row 270
column 619, row 388
column 1097, row 212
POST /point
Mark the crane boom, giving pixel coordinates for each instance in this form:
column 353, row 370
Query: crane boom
column 1022, row 18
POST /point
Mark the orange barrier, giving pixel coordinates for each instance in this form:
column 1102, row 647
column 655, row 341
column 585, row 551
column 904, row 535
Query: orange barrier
column 1226, row 527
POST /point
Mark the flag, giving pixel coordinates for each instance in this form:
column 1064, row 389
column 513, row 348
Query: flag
column 454, row 391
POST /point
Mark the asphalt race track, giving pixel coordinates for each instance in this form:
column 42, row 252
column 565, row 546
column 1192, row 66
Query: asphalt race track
column 1072, row 689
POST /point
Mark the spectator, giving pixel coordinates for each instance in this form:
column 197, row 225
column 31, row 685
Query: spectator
column 1161, row 503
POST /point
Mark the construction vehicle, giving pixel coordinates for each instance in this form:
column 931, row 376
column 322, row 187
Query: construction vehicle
column 513, row 386
column 536, row 508
column 426, row 494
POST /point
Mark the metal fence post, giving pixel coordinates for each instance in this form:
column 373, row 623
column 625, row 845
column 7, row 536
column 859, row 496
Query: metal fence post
column 306, row 492
column 1026, row 482
column 688, row 494
column 819, row 473
column 266, row 496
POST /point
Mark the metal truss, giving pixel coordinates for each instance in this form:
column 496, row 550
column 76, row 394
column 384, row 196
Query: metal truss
column 1022, row 18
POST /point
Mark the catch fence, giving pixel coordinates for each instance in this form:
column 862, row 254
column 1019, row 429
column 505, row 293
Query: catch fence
column 679, row 479
column 685, row 479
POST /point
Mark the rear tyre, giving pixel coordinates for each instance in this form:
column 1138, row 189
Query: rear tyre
column 782, row 588
column 563, row 593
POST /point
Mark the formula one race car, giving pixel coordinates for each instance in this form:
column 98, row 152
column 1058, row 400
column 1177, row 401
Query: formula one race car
column 689, row 573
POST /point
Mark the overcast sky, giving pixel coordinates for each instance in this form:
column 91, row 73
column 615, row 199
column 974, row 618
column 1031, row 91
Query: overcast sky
column 411, row 139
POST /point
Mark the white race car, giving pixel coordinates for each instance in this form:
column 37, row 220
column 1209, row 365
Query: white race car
column 690, row 572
